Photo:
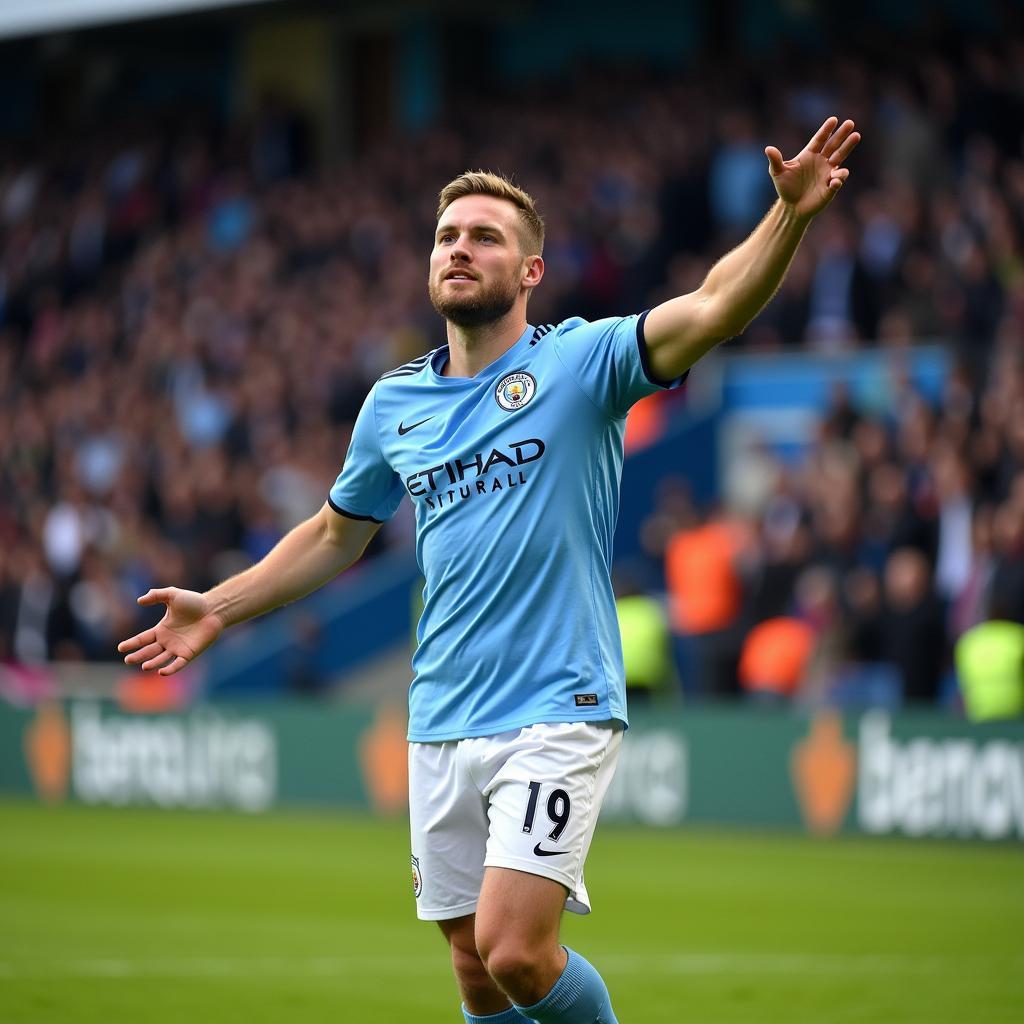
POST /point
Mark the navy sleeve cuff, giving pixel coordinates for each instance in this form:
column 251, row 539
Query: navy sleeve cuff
column 350, row 515
column 645, row 362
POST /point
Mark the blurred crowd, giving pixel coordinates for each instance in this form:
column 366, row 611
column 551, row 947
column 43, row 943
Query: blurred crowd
column 857, row 577
column 191, row 313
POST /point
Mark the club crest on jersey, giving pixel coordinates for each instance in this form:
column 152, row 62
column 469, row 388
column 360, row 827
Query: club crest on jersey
column 515, row 390
column 417, row 878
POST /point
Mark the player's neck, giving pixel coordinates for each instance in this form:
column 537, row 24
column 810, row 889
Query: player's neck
column 472, row 349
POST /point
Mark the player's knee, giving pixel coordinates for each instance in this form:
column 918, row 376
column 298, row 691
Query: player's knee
column 514, row 967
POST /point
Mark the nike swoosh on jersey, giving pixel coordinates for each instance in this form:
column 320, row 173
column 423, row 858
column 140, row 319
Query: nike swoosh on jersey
column 541, row 852
column 403, row 429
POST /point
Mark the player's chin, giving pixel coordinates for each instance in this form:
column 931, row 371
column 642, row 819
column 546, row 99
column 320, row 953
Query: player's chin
column 466, row 313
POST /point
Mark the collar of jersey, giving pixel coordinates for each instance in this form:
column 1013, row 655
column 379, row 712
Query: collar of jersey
column 504, row 362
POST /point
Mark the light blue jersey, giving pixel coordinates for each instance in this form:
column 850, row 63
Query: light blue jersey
column 514, row 475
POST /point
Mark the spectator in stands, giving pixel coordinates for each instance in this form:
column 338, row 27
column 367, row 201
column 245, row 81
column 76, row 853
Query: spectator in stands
column 706, row 599
column 1006, row 591
column 775, row 657
column 951, row 475
column 990, row 669
column 646, row 643
column 913, row 632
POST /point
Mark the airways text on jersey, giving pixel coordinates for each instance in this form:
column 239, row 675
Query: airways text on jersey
column 480, row 473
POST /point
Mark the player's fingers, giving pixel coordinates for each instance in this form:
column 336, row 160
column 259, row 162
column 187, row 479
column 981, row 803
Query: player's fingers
column 158, row 661
column 774, row 159
column 156, row 596
column 174, row 666
column 132, row 643
column 837, row 138
column 820, row 137
column 848, row 146
column 147, row 652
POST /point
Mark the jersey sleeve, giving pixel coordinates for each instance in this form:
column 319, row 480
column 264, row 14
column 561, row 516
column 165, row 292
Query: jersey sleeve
column 367, row 487
column 608, row 359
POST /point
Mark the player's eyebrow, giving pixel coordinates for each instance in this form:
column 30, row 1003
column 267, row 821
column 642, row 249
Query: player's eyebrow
column 477, row 229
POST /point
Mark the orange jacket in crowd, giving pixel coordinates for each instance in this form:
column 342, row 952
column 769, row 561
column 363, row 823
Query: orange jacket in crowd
column 703, row 582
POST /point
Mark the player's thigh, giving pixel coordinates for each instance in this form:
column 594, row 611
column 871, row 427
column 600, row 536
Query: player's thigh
column 519, row 908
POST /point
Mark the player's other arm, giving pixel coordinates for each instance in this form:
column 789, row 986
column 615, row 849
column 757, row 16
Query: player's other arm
column 303, row 560
column 739, row 285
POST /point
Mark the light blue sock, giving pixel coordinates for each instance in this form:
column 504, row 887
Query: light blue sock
column 509, row 1016
column 580, row 996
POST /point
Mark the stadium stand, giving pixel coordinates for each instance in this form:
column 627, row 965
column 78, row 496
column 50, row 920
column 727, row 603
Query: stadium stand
column 191, row 312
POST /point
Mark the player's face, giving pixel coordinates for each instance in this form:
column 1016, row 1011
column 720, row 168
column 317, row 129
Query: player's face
column 477, row 267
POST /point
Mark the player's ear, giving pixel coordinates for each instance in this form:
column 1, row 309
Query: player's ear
column 533, row 271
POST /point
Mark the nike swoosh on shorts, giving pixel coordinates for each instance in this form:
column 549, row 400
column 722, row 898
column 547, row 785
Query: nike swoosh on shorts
column 538, row 849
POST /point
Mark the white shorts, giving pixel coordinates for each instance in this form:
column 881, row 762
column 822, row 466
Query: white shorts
column 526, row 799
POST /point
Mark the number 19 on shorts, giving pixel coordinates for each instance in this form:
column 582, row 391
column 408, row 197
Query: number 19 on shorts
column 558, row 808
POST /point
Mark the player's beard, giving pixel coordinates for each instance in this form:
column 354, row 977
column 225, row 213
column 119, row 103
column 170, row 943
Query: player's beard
column 487, row 303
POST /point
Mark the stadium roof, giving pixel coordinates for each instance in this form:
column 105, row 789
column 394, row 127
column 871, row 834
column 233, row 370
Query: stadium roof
column 29, row 17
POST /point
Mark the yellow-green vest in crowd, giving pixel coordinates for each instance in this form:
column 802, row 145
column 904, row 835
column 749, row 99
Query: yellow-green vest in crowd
column 990, row 666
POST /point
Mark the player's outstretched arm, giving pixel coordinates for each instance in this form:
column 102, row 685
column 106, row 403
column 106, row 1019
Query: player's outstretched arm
column 680, row 331
column 306, row 558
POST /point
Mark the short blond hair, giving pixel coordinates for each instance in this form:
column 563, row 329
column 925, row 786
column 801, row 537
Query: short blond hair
column 486, row 183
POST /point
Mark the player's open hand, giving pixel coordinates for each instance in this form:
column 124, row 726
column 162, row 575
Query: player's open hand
column 188, row 627
column 809, row 182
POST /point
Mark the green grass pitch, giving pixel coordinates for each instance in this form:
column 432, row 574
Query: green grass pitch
column 153, row 916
